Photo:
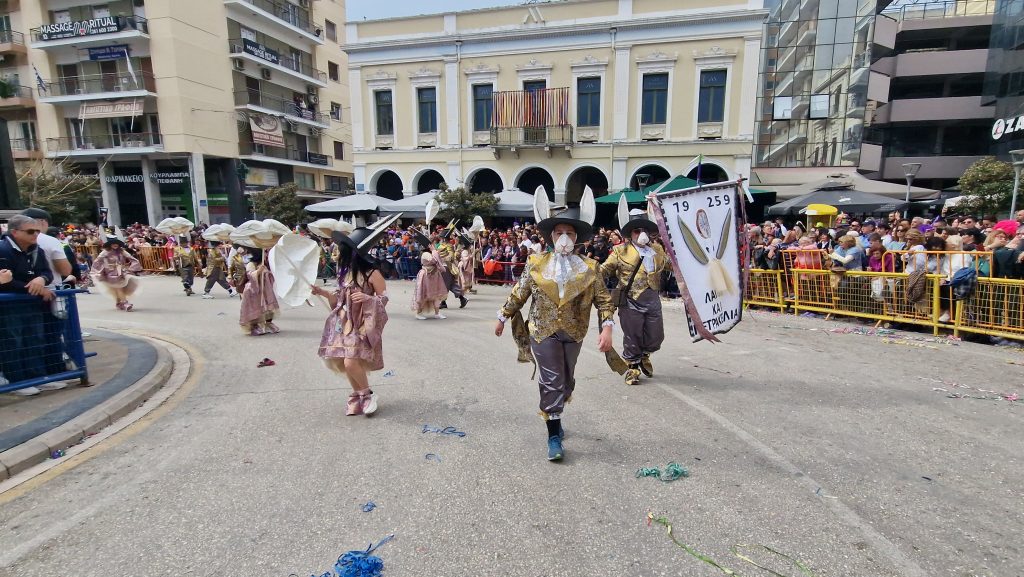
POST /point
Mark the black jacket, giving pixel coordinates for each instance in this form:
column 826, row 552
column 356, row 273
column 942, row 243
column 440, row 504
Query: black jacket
column 24, row 266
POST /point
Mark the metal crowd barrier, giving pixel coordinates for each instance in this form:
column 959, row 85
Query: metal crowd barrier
column 804, row 283
column 40, row 342
column 501, row 273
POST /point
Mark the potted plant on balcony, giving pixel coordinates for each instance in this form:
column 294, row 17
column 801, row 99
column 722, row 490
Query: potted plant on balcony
column 7, row 90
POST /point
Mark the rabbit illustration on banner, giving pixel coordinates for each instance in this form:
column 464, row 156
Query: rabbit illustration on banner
column 706, row 252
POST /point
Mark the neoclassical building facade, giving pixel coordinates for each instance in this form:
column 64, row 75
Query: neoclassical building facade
column 606, row 93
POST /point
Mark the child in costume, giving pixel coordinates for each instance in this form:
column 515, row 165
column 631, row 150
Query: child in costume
column 430, row 288
column 259, row 303
column 351, row 344
column 113, row 268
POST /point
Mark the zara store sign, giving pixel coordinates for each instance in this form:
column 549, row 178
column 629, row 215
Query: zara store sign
column 1010, row 125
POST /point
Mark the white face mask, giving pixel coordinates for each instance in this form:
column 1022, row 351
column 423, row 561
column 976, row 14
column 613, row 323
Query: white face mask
column 643, row 239
column 563, row 245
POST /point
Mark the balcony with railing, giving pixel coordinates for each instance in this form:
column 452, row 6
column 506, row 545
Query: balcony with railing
column 942, row 9
column 270, row 54
column 12, row 42
column 25, row 149
column 104, row 144
column 293, row 111
column 100, row 87
column 13, row 96
column 93, row 31
column 290, row 155
column 531, row 118
column 283, row 17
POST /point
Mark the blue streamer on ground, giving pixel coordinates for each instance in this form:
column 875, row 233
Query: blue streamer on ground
column 672, row 472
column 369, row 506
column 444, row 431
column 433, row 457
column 360, row 563
column 735, row 549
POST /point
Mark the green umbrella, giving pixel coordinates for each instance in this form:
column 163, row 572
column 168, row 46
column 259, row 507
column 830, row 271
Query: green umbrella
column 640, row 196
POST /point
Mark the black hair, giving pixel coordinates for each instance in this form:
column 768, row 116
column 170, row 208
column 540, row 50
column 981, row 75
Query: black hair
column 350, row 260
column 256, row 256
column 935, row 243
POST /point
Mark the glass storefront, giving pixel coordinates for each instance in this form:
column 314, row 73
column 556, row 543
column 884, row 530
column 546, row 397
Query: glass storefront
column 1004, row 79
column 814, row 78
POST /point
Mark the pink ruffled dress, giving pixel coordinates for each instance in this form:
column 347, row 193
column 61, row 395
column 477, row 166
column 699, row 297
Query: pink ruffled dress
column 354, row 330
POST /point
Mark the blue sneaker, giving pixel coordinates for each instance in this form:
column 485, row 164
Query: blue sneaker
column 555, row 448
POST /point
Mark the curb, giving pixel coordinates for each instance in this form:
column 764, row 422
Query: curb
column 38, row 450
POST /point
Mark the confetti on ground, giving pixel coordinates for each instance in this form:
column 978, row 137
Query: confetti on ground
column 950, row 389
column 672, row 472
column 433, row 457
column 360, row 563
column 57, row 454
column 444, row 431
column 735, row 549
column 389, row 374
column 369, row 506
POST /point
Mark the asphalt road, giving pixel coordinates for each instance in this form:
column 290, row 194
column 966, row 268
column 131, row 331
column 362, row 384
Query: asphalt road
column 831, row 448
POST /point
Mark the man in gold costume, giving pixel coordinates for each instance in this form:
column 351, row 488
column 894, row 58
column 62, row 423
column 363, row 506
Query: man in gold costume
column 563, row 286
column 638, row 265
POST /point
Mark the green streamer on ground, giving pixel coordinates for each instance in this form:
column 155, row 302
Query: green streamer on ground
column 672, row 472
column 735, row 549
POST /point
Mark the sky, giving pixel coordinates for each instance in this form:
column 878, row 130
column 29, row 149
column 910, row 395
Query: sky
column 373, row 9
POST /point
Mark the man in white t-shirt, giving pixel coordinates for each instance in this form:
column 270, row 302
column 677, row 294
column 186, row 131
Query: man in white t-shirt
column 51, row 247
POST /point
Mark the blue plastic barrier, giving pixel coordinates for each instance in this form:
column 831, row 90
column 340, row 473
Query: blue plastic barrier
column 40, row 342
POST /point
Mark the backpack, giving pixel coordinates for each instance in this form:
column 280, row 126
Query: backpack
column 963, row 282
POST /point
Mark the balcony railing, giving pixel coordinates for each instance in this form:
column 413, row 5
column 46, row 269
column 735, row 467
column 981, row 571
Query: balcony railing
column 24, row 145
column 86, row 28
column 278, row 104
column 532, row 136
column 104, row 141
column 292, row 154
column 14, row 91
column 12, row 37
column 101, row 83
column 944, row 9
column 268, row 54
column 289, row 13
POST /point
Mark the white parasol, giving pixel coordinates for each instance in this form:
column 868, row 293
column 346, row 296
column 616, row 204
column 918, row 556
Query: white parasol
column 325, row 226
column 294, row 260
column 431, row 211
column 176, row 226
column 259, row 234
column 218, row 232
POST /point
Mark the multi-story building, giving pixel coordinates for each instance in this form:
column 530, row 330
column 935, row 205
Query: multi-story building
column 1004, row 80
column 17, row 105
column 870, row 86
column 172, row 102
column 605, row 93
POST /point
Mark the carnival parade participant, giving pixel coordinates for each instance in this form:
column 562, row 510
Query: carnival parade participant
column 184, row 263
column 259, row 303
column 450, row 271
column 236, row 268
column 216, row 266
column 638, row 265
column 467, row 265
column 112, row 269
column 351, row 344
column 430, row 289
column 563, row 287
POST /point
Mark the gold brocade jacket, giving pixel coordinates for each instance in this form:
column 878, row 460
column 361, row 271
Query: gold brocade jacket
column 549, row 313
column 214, row 259
column 622, row 261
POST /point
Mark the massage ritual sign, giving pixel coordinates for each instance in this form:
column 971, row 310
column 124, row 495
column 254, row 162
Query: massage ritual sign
column 701, row 226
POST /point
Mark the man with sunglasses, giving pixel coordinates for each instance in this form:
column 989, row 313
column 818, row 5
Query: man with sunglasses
column 22, row 326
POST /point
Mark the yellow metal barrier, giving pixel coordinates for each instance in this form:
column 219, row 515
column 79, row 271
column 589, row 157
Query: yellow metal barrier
column 155, row 259
column 765, row 288
column 996, row 308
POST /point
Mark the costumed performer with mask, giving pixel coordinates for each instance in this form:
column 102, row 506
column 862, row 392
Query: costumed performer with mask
column 112, row 269
column 638, row 264
column 430, row 288
column 259, row 303
column 351, row 344
column 563, row 287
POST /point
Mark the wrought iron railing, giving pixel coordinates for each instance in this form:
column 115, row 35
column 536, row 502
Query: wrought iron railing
column 531, row 118
column 532, row 136
column 12, row 37
column 14, row 91
column 104, row 141
column 278, row 104
column 290, row 153
column 101, row 83
column 289, row 13
column 302, row 66
column 24, row 145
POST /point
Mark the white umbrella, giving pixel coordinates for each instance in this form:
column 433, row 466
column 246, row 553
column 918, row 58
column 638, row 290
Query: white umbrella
column 325, row 226
column 514, row 202
column 294, row 260
column 413, row 206
column 175, row 226
column 351, row 203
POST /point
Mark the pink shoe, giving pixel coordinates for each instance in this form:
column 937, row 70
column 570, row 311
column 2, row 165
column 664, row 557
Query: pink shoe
column 355, row 405
column 272, row 329
column 120, row 306
column 256, row 331
column 369, row 403
column 128, row 307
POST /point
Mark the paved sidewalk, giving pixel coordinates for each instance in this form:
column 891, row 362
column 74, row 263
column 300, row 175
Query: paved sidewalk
column 120, row 363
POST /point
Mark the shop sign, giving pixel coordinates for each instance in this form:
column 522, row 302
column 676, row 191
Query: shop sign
column 105, row 25
column 170, row 177
column 266, row 130
column 267, row 177
column 115, row 52
column 111, row 109
column 124, row 179
column 314, row 158
column 260, row 51
column 1007, row 126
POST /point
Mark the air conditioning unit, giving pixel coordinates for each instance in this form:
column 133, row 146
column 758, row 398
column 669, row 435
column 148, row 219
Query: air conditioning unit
column 313, row 99
column 239, row 63
column 310, row 89
column 265, row 72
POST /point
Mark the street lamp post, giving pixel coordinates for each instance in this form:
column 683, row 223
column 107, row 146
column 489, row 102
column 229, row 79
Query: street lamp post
column 910, row 170
column 1018, row 165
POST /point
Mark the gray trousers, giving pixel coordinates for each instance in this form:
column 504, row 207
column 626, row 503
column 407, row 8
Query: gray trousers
column 187, row 274
column 643, row 326
column 216, row 277
column 556, row 360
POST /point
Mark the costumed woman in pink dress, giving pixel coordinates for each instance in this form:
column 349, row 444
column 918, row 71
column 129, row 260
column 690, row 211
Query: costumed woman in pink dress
column 351, row 343
column 430, row 286
column 111, row 271
column 259, row 303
